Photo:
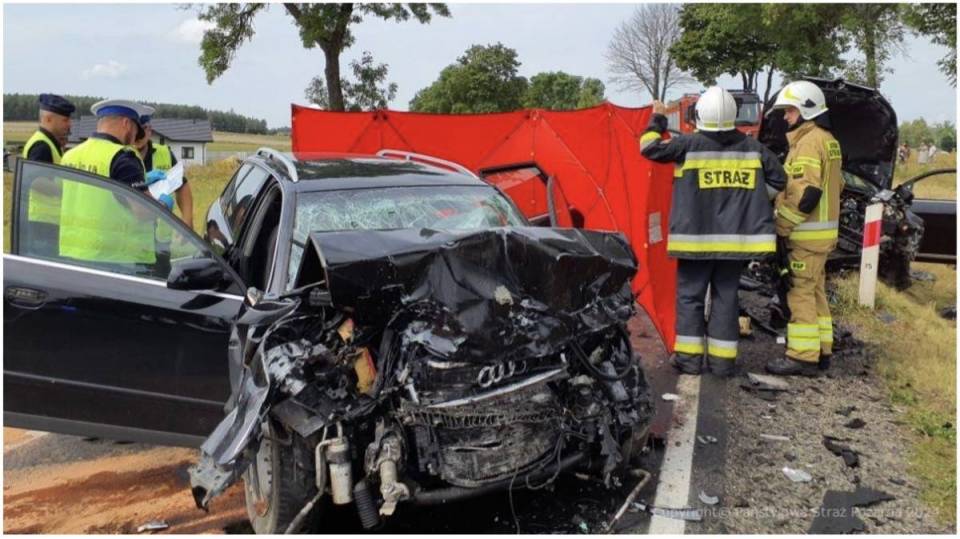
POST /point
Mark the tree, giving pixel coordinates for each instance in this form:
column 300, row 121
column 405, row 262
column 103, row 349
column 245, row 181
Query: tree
column 639, row 54
column 327, row 26
column 483, row 79
column 747, row 39
column 878, row 30
column 915, row 133
column 557, row 90
column 939, row 22
column 366, row 93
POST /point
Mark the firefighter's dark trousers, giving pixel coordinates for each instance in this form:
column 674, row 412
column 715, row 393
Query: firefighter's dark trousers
column 718, row 337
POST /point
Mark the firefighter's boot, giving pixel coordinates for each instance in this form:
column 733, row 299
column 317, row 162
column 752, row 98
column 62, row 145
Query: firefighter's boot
column 687, row 364
column 785, row 366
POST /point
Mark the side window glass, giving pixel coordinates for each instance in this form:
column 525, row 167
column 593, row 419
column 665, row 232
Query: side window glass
column 241, row 200
column 232, row 185
column 68, row 218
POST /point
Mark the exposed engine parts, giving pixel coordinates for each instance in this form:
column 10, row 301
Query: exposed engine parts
column 440, row 368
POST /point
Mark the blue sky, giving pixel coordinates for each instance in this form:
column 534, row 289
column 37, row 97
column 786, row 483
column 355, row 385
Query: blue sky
column 149, row 51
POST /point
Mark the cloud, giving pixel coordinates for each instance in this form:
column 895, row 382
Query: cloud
column 191, row 31
column 110, row 70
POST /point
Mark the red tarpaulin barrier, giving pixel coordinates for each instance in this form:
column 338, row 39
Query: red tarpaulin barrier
column 592, row 154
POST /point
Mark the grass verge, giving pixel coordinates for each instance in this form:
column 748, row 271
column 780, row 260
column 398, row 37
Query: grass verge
column 917, row 360
column 941, row 186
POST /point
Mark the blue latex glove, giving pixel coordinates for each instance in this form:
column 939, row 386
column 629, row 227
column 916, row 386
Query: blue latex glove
column 155, row 176
column 166, row 200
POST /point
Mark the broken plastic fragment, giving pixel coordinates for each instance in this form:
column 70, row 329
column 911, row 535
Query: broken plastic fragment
column 772, row 383
column 775, row 437
column 152, row 526
column 670, row 397
column 707, row 499
column 855, row 423
column 502, row 295
column 797, row 476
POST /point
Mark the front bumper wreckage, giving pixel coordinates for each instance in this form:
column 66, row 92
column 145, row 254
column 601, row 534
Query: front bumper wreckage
column 441, row 365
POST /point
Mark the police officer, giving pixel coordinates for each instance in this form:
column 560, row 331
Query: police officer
column 43, row 209
column 807, row 217
column 44, row 145
column 96, row 225
column 160, row 157
column 720, row 216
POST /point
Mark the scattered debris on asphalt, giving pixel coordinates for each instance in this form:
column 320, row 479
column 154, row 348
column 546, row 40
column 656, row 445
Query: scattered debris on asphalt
column 850, row 457
column 745, row 329
column 153, row 526
column 775, row 437
column 797, row 476
column 708, row 499
column 671, row 397
column 836, row 512
column 950, row 313
column 771, row 382
column 846, row 410
column 855, row 423
column 706, row 439
column 686, row 513
column 644, row 477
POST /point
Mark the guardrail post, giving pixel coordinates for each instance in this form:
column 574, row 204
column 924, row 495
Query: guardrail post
column 870, row 255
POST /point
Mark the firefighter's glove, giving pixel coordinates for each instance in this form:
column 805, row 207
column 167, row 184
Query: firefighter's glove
column 155, row 176
column 166, row 200
column 783, row 264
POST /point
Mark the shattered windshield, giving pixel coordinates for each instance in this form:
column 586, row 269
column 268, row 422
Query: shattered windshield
column 441, row 208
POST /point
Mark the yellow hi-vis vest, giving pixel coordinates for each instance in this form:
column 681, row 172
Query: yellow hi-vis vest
column 162, row 157
column 162, row 160
column 44, row 208
column 94, row 225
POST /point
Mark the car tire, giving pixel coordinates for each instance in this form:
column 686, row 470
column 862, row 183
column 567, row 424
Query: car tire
column 279, row 482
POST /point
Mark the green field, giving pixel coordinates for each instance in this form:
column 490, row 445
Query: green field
column 942, row 186
column 18, row 133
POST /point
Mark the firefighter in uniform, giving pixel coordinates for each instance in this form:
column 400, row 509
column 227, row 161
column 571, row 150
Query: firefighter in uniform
column 44, row 145
column 721, row 215
column 96, row 225
column 807, row 218
column 160, row 157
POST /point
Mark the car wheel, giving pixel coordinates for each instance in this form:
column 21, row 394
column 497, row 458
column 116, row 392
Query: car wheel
column 278, row 483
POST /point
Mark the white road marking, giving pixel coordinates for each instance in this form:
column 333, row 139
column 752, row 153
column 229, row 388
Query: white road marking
column 673, row 489
column 31, row 436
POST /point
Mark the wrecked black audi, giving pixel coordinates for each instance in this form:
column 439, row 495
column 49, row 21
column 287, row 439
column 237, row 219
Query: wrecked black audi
column 865, row 124
column 427, row 365
column 379, row 330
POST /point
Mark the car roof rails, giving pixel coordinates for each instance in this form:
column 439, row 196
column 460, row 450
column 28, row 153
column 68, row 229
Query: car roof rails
column 427, row 160
column 270, row 153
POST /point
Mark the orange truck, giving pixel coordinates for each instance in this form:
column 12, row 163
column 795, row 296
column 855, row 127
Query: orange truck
column 681, row 114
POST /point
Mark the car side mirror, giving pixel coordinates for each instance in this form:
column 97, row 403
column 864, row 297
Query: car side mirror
column 195, row 274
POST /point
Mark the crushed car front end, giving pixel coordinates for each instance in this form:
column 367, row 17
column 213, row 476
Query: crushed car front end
column 424, row 366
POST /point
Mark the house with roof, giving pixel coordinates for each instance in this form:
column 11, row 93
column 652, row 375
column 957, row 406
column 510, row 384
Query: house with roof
column 187, row 138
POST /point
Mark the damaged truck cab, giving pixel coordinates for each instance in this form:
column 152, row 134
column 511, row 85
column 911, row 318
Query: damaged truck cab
column 405, row 336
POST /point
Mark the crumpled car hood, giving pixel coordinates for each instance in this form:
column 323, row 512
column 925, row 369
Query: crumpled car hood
column 506, row 291
column 862, row 120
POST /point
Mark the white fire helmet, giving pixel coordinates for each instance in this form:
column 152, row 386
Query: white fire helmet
column 804, row 95
column 716, row 110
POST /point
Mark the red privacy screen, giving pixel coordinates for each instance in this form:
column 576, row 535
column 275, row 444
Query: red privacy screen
column 591, row 156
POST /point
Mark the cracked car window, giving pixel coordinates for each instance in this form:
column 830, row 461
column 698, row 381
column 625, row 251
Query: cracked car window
column 441, row 208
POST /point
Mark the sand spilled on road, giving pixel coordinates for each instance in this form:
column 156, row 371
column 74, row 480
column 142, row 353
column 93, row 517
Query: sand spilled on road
column 114, row 495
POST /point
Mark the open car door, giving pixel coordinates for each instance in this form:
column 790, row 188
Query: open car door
column 97, row 342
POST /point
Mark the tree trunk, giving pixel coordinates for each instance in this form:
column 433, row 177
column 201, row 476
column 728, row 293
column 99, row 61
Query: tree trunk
column 870, row 51
column 766, row 93
column 331, row 72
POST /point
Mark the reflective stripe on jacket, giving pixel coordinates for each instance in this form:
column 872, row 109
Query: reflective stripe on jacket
column 43, row 207
column 95, row 225
column 814, row 160
column 721, row 197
